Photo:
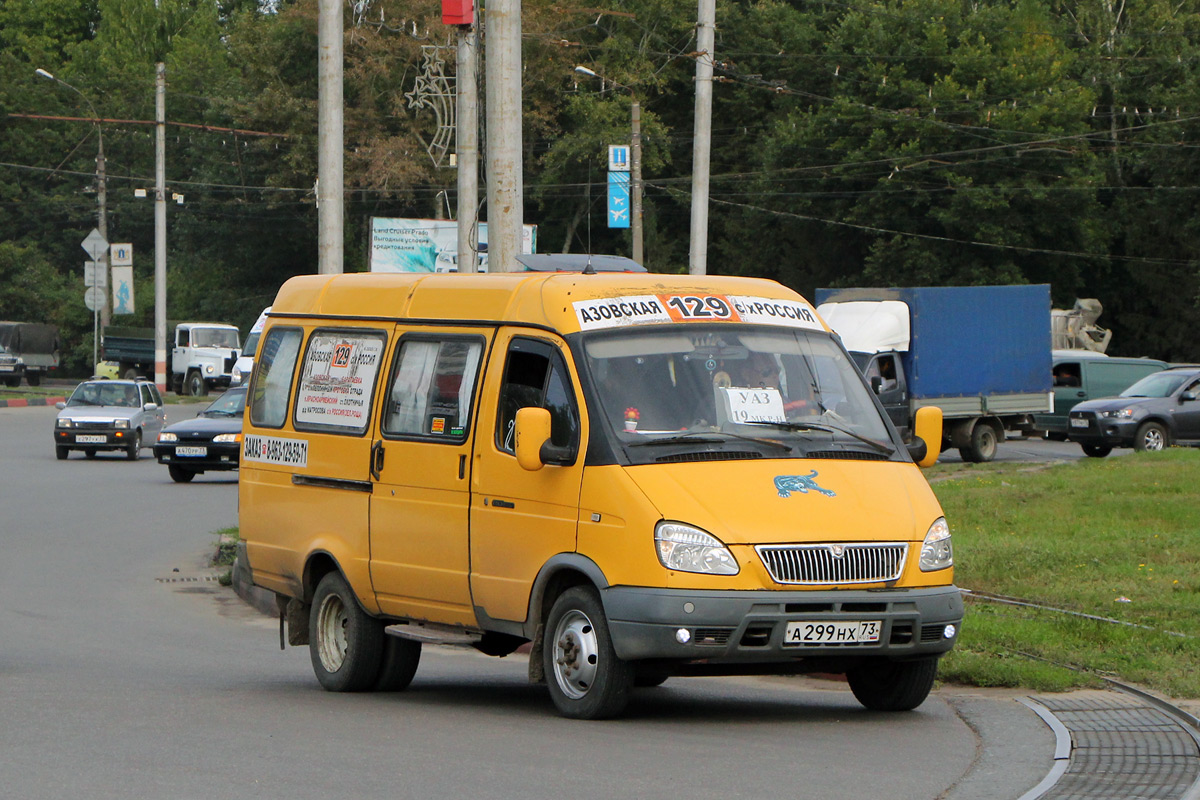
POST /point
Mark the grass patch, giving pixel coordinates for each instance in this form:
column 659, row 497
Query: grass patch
column 226, row 553
column 1113, row 538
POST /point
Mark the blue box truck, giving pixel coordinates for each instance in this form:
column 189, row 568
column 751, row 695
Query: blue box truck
column 980, row 353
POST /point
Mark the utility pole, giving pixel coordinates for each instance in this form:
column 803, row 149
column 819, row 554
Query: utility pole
column 330, row 178
column 505, row 187
column 467, row 131
column 702, row 137
column 160, row 226
column 635, row 179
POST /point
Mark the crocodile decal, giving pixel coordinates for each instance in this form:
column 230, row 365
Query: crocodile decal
column 786, row 484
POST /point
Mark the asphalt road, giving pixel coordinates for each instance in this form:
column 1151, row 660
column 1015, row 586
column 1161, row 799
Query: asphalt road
column 126, row 671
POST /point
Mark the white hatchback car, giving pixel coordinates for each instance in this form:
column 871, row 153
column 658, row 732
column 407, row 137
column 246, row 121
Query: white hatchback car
column 109, row 415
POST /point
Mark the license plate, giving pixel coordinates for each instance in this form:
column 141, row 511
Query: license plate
column 191, row 451
column 1078, row 422
column 813, row 632
column 90, row 438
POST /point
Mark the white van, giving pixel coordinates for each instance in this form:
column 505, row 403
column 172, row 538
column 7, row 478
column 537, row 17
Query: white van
column 245, row 363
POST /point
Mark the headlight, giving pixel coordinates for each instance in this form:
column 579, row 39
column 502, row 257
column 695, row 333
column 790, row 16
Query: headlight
column 687, row 549
column 1120, row 413
column 236, row 375
column 120, row 423
column 63, row 423
column 936, row 550
column 227, row 437
column 167, row 437
column 208, row 368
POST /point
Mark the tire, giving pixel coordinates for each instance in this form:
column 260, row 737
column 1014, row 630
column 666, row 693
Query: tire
column 983, row 444
column 180, row 474
column 130, row 374
column 400, row 660
column 1152, row 436
column 893, row 685
column 195, row 384
column 1095, row 450
column 584, row 675
column 33, row 378
column 177, row 384
column 13, row 381
column 135, row 448
column 61, row 452
column 345, row 644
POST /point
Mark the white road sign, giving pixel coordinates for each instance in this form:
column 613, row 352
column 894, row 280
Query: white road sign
column 120, row 255
column 95, row 274
column 95, row 245
column 93, row 298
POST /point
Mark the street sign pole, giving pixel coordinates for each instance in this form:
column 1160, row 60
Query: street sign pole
column 96, row 246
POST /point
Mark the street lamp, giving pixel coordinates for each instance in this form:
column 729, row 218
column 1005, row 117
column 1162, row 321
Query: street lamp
column 101, row 199
column 635, row 160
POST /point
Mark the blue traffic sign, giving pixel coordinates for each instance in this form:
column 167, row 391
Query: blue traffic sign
column 618, row 199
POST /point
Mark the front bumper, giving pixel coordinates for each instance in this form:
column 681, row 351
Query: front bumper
column 85, row 439
column 1102, row 431
column 216, row 457
column 748, row 627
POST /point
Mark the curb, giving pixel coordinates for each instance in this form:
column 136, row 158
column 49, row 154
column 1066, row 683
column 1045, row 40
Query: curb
column 22, row 402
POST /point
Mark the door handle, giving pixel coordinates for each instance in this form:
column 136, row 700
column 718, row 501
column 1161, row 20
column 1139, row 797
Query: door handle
column 376, row 459
column 1081, row 394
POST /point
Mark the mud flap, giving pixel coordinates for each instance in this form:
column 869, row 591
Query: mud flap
column 537, row 671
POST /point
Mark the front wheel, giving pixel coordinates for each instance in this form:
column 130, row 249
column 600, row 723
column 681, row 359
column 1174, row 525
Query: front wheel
column 345, row 644
column 1095, row 450
column 61, row 452
column 584, row 675
column 893, row 685
column 135, row 447
column 195, row 384
column 13, row 381
column 180, row 474
column 1151, row 436
column 400, row 660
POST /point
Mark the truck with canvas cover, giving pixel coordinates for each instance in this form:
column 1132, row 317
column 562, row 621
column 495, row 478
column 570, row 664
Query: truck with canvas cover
column 29, row 350
column 980, row 353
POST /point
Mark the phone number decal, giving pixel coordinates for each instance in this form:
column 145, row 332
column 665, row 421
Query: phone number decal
column 649, row 309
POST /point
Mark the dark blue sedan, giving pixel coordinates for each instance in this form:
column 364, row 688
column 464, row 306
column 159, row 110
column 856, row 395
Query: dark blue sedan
column 210, row 441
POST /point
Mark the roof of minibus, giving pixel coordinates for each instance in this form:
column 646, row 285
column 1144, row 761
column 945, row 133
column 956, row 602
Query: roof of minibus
column 547, row 300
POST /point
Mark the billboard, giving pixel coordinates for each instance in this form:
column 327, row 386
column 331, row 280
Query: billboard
column 428, row 245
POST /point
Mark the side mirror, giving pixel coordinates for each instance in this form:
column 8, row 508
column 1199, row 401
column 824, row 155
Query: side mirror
column 927, row 428
column 151, row 406
column 876, row 384
column 60, row 405
column 532, row 431
column 1187, row 396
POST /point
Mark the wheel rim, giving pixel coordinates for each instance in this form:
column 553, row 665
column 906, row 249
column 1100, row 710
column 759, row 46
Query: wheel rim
column 576, row 654
column 987, row 443
column 1153, row 439
column 331, row 633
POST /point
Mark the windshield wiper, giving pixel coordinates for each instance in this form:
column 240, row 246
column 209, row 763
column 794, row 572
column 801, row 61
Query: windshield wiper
column 708, row 437
column 828, row 428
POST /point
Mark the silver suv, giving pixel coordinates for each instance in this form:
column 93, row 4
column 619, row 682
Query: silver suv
column 109, row 415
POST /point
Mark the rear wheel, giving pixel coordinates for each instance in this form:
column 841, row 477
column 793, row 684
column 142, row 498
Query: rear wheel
column 33, row 378
column 982, row 447
column 344, row 643
column 131, row 374
column 399, row 665
column 1151, row 436
column 61, row 452
column 180, row 474
column 893, row 685
column 1095, row 450
column 584, row 675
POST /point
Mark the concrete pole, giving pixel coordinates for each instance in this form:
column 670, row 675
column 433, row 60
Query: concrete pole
column 160, row 226
column 505, row 188
column 102, row 224
column 330, row 179
column 635, row 166
column 467, row 130
column 702, row 137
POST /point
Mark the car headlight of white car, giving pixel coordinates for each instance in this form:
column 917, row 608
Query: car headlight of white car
column 63, row 422
column 936, row 550
column 120, row 423
column 236, row 375
column 225, row 438
column 687, row 549
column 208, row 368
column 167, row 437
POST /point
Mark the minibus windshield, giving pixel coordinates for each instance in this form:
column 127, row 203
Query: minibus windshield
column 784, row 393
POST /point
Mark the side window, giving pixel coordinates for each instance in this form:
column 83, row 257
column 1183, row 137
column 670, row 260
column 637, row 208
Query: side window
column 146, row 396
column 184, row 335
column 273, row 378
column 431, row 389
column 155, row 396
column 536, row 376
column 337, row 380
column 1067, row 374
